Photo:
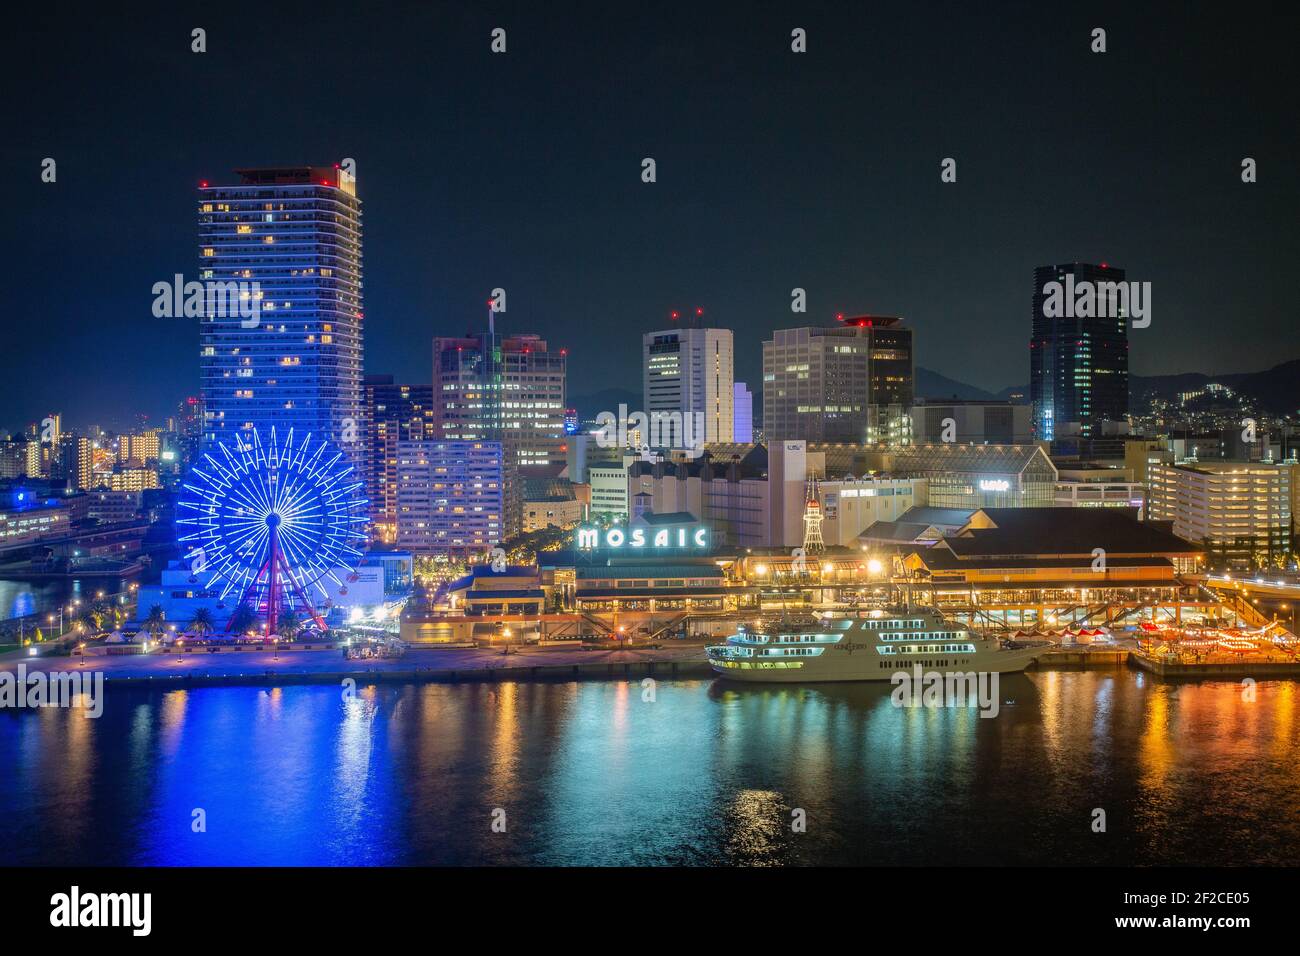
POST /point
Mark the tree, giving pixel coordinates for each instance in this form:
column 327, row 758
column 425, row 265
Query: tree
column 242, row 618
column 202, row 622
column 288, row 625
column 156, row 622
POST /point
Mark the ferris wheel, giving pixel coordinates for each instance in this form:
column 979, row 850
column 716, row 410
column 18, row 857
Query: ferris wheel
column 273, row 523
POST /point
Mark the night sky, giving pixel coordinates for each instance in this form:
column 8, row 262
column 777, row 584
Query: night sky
column 775, row 170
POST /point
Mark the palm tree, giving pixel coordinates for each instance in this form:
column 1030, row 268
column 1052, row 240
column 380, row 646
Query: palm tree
column 89, row 620
column 288, row 625
column 156, row 622
column 201, row 622
column 242, row 618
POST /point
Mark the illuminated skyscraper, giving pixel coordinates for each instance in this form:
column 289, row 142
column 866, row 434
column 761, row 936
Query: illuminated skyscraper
column 394, row 413
column 296, row 231
column 508, row 390
column 850, row 383
column 1078, row 366
column 690, row 370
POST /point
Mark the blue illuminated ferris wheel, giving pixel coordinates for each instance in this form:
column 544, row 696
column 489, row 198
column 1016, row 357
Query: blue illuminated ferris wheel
column 272, row 523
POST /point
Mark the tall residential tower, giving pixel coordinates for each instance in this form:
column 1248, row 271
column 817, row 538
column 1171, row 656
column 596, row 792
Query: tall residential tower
column 296, row 232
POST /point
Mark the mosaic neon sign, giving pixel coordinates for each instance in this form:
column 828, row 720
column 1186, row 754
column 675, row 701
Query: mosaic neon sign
column 648, row 538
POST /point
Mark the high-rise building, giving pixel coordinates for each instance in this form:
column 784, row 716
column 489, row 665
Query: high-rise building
column 1078, row 364
column 848, row 383
column 450, row 496
column 691, row 371
column 20, row 458
column 73, row 461
column 140, row 447
column 742, row 418
column 394, row 413
column 509, row 390
column 296, row 232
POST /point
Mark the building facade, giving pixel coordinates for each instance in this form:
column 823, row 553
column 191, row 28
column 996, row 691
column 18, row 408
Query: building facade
column 507, row 390
column 743, row 415
column 450, row 496
column 394, row 413
column 981, row 476
column 1078, row 364
column 972, row 423
column 1240, row 512
column 691, row 371
column 850, row 383
column 296, row 232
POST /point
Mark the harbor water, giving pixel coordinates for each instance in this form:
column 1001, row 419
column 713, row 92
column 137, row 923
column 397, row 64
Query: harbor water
column 678, row 772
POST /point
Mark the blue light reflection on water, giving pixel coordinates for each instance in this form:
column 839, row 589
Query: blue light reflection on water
column 705, row 773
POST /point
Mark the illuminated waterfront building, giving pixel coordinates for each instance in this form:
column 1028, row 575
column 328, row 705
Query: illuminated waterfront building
column 1078, row 365
column 450, row 496
column 849, row 383
column 296, row 231
column 1040, row 567
column 690, row 371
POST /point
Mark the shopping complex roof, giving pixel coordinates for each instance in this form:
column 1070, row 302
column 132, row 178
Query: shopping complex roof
column 970, row 459
column 1063, row 531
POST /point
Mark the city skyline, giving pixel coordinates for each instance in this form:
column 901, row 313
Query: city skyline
column 558, row 215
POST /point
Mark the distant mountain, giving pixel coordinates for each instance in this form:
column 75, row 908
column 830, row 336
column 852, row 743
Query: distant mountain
column 1276, row 390
column 935, row 387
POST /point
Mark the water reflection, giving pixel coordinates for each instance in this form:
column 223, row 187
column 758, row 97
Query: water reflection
column 699, row 772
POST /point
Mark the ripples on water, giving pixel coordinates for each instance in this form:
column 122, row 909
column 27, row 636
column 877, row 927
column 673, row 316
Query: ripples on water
column 588, row 773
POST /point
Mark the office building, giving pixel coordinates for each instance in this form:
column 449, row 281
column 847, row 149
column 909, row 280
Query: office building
column 849, row 383
column 1078, row 365
column 509, row 390
column 690, row 371
column 296, row 363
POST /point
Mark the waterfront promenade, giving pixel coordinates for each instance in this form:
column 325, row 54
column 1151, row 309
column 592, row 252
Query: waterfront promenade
column 431, row 664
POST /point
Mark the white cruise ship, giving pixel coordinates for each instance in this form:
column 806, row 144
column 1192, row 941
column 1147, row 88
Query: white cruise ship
column 873, row 645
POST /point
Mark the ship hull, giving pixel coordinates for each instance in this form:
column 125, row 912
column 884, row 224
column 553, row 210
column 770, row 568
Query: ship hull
column 867, row 667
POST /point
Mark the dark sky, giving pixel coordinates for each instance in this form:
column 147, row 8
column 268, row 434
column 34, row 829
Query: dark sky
column 775, row 170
